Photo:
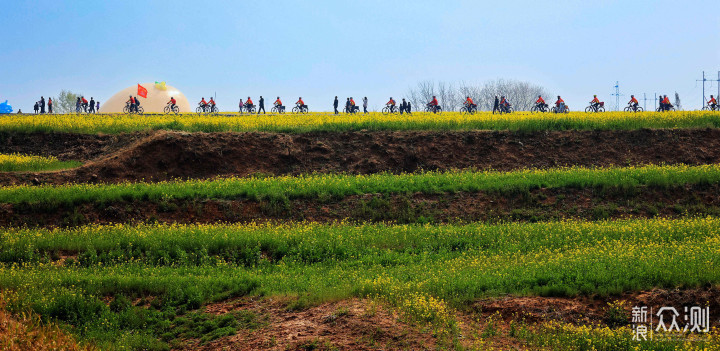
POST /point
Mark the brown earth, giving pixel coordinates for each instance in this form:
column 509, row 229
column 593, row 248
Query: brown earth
column 168, row 155
column 360, row 324
column 353, row 324
column 534, row 205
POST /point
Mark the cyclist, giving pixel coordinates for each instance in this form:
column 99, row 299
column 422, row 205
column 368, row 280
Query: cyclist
column 540, row 102
column 391, row 104
column 595, row 102
column 353, row 108
column 84, row 103
column 433, row 104
column 712, row 103
column 278, row 104
column 633, row 102
column 666, row 103
column 470, row 104
column 172, row 103
column 130, row 103
column 248, row 104
column 300, row 103
column 504, row 104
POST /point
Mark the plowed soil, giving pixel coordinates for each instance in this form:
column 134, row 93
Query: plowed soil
column 170, row 155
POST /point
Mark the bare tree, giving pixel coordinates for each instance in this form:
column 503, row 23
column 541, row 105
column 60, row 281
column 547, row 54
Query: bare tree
column 451, row 96
column 65, row 102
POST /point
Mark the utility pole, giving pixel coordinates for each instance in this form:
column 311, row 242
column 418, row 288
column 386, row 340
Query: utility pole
column 704, row 80
column 617, row 96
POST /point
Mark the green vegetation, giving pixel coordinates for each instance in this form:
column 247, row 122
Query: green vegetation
column 157, row 277
column 28, row 163
column 289, row 123
column 323, row 186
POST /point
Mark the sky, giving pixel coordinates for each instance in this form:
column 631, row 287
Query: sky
column 373, row 48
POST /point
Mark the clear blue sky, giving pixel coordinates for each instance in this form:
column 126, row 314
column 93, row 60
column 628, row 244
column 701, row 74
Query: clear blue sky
column 319, row 49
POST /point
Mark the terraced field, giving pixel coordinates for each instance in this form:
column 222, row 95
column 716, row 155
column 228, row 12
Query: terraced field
column 360, row 232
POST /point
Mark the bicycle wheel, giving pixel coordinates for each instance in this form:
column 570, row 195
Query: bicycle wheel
column 601, row 109
column 640, row 109
column 166, row 110
column 304, row 110
column 126, row 110
column 295, row 109
column 588, row 109
column 464, row 110
column 140, row 110
column 385, row 110
column 627, row 109
column 176, row 109
column 199, row 110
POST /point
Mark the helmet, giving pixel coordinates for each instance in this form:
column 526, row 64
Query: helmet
column 171, row 97
column 594, row 95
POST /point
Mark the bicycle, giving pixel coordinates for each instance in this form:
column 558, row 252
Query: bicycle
column 599, row 107
column 170, row 108
column 433, row 108
column 469, row 109
column 248, row 108
column 709, row 107
column 388, row 109
column 540, row 108
column 665, row 109
column 560, row 109
column 277, row 109
column 353, row 109
column 300, row 109
column 202, row 109
column 137, row 110
column 633, row 108
column 505, row 109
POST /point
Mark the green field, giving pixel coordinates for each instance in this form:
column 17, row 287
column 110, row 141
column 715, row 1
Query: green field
column 425, row 271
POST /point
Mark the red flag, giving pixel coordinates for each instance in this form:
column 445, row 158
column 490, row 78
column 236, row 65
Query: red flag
column 142, row 91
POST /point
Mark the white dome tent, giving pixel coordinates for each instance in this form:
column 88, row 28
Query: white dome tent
column 158, row 94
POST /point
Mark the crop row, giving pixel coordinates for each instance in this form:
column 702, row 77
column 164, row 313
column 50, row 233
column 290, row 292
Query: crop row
column 119, row 123
column 328, row 186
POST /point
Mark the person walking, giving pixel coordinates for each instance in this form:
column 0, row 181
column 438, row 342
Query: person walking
column 347, row 106
column 365, row 104
column 36, row 108
column 97, row 107
column 50, row 105
column 403, row 106
column 78, row 103
column 92, row 105
column 335, row 105
column 261, row 105
column 42, row 104
column 496, row 105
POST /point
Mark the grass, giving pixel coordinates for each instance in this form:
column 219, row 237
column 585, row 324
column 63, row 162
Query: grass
column 28, row 163
column 424, row 270
column 277, row 190
column 523, row 121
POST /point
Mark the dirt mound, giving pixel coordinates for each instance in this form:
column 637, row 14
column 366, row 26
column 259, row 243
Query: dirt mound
column 66, row 146
column 344, row 325
column 169, row 155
